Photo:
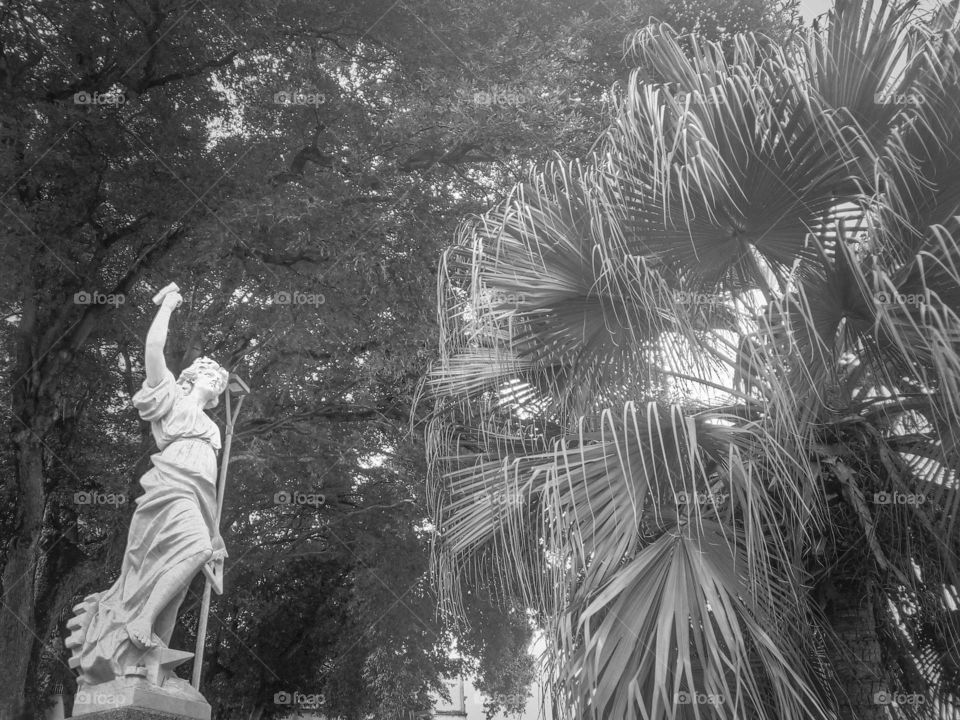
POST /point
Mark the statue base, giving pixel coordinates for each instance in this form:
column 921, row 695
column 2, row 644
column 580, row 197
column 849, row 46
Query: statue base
column 134, row 698
column 131, row 714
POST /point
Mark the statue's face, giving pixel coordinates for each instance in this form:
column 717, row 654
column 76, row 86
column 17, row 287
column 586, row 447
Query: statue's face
column 209, row 383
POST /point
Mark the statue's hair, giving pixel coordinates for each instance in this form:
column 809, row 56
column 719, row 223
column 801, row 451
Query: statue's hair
column 190, row 374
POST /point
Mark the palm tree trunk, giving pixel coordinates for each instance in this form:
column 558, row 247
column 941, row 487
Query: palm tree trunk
column 855, row 652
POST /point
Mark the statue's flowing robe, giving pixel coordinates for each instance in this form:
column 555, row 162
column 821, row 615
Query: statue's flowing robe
column 174, row 521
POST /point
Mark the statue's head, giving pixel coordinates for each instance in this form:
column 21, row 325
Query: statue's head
column 207, row 377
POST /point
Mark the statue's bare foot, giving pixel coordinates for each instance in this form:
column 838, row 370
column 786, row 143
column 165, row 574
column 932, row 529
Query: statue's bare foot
column 140, row 633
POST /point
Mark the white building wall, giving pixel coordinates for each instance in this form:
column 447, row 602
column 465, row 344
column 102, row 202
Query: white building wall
column 467, row 704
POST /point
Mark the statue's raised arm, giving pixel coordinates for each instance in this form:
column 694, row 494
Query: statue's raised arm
column 120, row 636
column 168, row 299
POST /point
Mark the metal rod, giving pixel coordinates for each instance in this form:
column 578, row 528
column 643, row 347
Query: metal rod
column 201, row 636
column 221, row 487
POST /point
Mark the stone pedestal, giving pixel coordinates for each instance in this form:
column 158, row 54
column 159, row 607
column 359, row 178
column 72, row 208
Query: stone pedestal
column 131, row 713
column 134, row 698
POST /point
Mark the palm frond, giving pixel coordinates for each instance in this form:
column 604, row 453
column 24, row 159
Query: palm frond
column 675, row 379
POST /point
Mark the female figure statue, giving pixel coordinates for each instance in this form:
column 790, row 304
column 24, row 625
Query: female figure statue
column 173, row 532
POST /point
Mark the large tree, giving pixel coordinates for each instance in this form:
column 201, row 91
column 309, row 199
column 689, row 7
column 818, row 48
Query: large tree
column 697, row 399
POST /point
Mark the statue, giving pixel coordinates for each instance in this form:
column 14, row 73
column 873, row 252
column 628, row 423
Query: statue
column 120, row 636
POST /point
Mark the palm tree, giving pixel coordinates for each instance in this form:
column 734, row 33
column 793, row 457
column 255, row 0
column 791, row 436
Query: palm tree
column 698, row 399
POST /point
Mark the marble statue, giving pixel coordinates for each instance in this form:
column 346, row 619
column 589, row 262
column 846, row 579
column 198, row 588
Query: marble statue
column 120, row 636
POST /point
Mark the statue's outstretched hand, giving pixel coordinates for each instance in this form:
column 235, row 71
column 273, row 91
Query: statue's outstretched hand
column 219, row 549
column 172, row 300
column 213, row 568
column 168, row 299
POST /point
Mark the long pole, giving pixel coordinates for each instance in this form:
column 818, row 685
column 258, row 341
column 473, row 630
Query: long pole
column 221, row 486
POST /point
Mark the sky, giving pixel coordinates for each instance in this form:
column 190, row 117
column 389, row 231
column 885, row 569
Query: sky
column 809, row 9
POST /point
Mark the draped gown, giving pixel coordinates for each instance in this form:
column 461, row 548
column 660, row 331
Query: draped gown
column 174, row 521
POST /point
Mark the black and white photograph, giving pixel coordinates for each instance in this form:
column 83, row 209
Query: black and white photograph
column 480, row 359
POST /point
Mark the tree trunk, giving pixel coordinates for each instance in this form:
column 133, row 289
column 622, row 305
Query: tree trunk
column 34, row 411
column 855, row 653
column 17, row 637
